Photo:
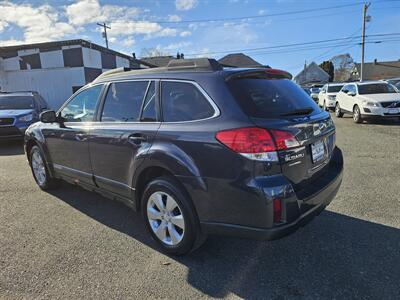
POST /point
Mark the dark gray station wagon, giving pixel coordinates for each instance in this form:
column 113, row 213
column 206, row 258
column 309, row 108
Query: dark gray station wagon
column 196, row 148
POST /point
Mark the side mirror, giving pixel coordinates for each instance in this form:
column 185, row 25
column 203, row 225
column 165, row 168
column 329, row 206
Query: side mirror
column 48, row 116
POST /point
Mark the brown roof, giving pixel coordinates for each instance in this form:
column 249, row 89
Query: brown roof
column 240, row 60
column 380, row 70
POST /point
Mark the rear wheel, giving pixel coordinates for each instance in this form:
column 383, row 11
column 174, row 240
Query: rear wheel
column 338, row 111
column 40, row 171
column 170, row 217
column 357, row 114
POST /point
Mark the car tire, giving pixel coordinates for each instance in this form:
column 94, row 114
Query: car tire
column 338, row 111
column 170, row 217
column 40, row 170
column 357, row 115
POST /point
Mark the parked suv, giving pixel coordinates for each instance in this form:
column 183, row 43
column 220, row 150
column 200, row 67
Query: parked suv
column 327, row 95
column 18, row 110
column 196, row 148
column 368, row 100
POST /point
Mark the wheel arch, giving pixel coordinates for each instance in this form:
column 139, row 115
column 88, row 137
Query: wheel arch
column 149, row 172
column 30, row 142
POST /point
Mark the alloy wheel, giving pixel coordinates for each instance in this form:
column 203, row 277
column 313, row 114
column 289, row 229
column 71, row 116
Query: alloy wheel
column 165, row 218
column 38, row 167
column 356, row 114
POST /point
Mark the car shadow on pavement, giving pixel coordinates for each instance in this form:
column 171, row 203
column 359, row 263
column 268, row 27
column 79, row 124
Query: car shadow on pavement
column 335, row 256
column 15, row 147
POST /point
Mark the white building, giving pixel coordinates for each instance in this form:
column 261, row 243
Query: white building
column 312, row 74
column 57, row 69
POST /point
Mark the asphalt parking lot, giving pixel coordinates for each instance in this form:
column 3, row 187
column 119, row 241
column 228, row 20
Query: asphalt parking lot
column 75, row 244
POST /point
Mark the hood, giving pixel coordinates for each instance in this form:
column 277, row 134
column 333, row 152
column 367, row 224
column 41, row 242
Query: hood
column 381, row 97
column 6, row 113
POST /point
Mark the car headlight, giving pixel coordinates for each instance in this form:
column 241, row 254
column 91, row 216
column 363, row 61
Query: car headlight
column 371, row 103
column 331, row 97
column 26, row 118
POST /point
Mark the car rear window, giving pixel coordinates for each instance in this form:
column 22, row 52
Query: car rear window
column 334, row 88
column 377, row 88
column 263, row 98
column 16, row 102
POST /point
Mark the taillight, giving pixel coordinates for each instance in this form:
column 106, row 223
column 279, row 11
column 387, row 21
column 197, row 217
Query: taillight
column 277, row 210
column 257, row 143
column 284, row 140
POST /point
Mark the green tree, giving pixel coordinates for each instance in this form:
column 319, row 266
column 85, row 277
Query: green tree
column 328, row 67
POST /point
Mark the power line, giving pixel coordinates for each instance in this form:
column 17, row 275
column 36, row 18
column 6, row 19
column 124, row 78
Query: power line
column 291, row 45
column 260, row 16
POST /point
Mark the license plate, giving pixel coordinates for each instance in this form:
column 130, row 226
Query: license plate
column 318, row 151
column 393, row 111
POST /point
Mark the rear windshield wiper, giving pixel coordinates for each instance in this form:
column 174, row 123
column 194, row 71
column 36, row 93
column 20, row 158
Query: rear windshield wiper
column 297, row 112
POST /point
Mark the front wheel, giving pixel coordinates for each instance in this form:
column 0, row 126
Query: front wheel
column 357, row 115
column 40, row 171
column 170, row 217
column 338, row 111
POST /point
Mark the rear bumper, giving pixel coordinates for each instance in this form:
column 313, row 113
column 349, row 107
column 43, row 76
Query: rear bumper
column 299, row 211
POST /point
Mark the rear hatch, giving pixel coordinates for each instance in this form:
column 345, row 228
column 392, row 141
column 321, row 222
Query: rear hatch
column 274, row 103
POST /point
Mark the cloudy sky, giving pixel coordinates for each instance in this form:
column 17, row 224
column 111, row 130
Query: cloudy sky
column 211, row 27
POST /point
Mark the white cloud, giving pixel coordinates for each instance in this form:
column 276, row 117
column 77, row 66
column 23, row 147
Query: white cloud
column 128, row 42
column 166, row 32
column 11, row 42
column 177, row 46
column 39, row 24
column 185, row 33
column 262, row 12
column 185, row 4
column 90, row 11
column 3, row 25
column 121, row 28
column 174, row 18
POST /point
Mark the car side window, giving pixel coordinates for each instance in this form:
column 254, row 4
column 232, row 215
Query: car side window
column 149, row 113
column 124, row 101
column 82, row 107
column 352, row 88
column 182, row 101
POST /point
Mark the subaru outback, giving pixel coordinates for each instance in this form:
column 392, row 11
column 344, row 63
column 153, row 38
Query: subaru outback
column 196, row 148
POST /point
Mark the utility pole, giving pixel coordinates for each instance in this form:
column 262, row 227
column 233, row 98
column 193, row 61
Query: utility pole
column 104, row 33
column 365, row 19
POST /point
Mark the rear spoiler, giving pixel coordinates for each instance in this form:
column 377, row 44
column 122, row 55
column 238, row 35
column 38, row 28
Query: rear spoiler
column 267, row 73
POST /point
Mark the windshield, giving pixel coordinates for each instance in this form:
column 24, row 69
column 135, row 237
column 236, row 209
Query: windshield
column 377, row 88
column 334, row 88
column 262, row 98
column 16, row 102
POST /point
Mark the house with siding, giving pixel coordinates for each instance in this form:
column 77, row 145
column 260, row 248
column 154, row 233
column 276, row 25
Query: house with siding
column 312, row 74
column 377, row 70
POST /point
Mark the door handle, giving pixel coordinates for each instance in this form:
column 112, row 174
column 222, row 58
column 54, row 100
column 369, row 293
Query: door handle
column 136, row 139
column 81, row 137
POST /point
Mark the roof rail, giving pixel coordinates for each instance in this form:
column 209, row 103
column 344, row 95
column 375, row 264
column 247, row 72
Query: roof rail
column 205, row 64
column 197, row 64
column 10, row 92
column 114, row 71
